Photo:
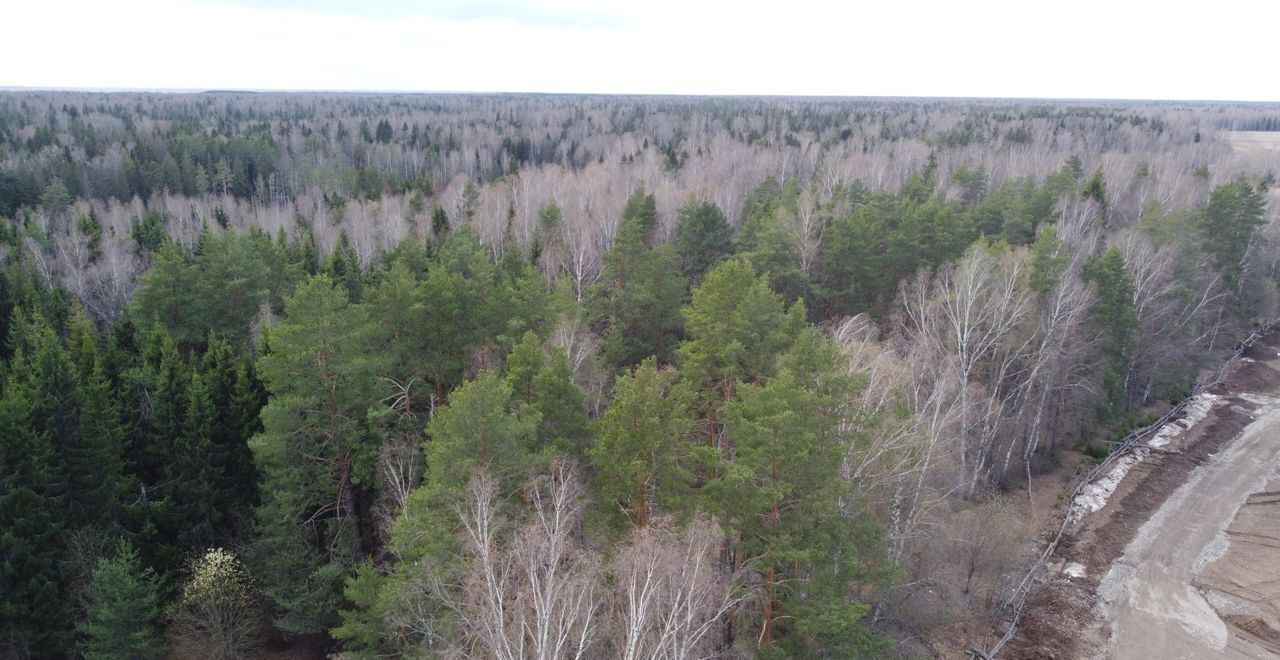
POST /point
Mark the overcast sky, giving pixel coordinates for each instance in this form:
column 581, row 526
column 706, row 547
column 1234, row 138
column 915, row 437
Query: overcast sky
column 1215, row 49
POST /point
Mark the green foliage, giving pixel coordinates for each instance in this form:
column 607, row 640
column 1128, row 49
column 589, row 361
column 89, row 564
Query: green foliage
column 547, row 388
column 773, row 249
column 1048, row 261
column 737, row 327
column 1097, row 450
column 1096, row 189
column 481, row 427
column 313, row 455
column 91, row 228
column 149, row 232
column 343, row 267
column 439, row 223
column 382, row 378
column 470, row 202
column 1116, row 318
column 643, row 452
column 641, row 212
column 703, row 237
column 193, row 503
column 363, row 629
column 56, row 198
column 1227, row 225
column 781, row 498
column 220, row 290
column 31, row 533
column 640, row 293
column 123, row 609
column 455, row 307
column 236, row 397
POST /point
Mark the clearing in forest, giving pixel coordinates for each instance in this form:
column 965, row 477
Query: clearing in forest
column 1250, row 141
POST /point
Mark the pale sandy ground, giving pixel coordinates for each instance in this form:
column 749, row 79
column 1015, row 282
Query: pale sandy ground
column 1152, row 595
column 1246, row 141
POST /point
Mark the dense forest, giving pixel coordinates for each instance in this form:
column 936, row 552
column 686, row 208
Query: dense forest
column 583, row 377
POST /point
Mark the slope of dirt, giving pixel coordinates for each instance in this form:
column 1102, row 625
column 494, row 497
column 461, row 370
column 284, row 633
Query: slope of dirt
column 1243, row 584
column 1062, row 618
column 1150, row 595
column 1060, row 610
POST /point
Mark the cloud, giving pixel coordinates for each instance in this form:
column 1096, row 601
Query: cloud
column 544, row 13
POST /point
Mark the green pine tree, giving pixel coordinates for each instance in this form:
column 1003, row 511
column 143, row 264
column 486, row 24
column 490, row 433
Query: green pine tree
column 313, row 454
column 790, row 517
column 643, row 451
column 737, row 328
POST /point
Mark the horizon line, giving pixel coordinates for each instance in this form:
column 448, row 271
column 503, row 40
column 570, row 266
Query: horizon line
column 690, row 95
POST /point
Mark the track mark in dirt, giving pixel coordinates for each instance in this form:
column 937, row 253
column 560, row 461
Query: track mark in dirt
column 1061, row 617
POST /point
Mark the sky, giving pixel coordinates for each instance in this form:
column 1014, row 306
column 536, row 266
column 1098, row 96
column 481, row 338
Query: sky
column 1095, row 49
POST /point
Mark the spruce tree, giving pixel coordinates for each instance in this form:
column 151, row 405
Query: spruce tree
column 703, row 238
column 101, row 488
column 123, row 609
column 236, row 402
column 640, row 292
column 1116, row 319
column 191, row 483
column 32, row 616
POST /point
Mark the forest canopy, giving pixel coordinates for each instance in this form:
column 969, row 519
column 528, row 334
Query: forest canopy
column 543, row 376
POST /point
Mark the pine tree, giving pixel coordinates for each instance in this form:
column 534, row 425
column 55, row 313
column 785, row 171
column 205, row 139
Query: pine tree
column 454, row 308
column 481, row 427
column 1227, row 225
column 523, row 365
column 773, row 251
column 791, row 520
column 643, row 449
column 313, row 456
column 640, row 292
column 232, row 285
column 1048, row 260
column 561, row 407
column 737, row 327
column 168, row 294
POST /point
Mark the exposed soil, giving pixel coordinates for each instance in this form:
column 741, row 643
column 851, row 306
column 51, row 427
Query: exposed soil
column 1052, row 619
column 1243, row 584
column 1060, row 609
column 1060, row 618
column 1147, row 487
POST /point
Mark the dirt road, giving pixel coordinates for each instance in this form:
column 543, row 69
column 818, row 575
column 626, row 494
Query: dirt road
column 1151, row 597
